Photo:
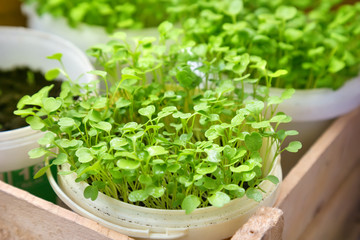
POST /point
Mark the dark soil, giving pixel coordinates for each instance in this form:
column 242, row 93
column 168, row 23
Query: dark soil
column 14, row 84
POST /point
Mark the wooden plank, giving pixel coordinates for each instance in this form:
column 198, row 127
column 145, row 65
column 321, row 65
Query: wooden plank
column 10, row 13
column 336, row 218
column 319, row 174
column 24, row 216
column 267, row 223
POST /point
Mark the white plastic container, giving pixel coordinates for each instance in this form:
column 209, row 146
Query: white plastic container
column 312, row 111
column 210, row 223
column 26, row 47
column 83, row 36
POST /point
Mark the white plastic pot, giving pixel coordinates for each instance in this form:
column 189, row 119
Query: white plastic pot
column 312, row 111
column 83, row 36
column 29, row 48
column 209, row 223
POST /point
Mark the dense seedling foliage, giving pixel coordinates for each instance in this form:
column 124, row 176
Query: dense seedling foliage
column 316, row 42
column 167, row 131
column 112, row 14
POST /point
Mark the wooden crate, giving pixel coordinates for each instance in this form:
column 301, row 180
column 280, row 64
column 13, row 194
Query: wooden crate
column 320, row 197
column 10, row 13
column 317, row 201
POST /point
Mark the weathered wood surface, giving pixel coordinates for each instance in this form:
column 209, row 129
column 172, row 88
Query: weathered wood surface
column 320, row 197
column 322, row 190
column 266, row 224
column 26, row 217
column 10, row 13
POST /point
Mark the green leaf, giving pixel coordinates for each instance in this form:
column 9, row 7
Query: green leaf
column 127, row 164
column 100, row 102
column 237, row 120
column 262, row 124
column 94, row 116
column 165, row 27
column 254, row 194
column 229, row 152
column 156, row 192
column 52, row 74
column 248, row 176
column 60, row 159
column 285, row 12
column 187, row 78
column 213, row 156
column 66, row 122
column 84, row 155
column 145, row 179
column 138, row 196
column 272, row 179
column 105, row 126
column 219, row 199
column 206, row 170
column 37, row 152
column 91, row 192
column 100, row 73
column 278, row 73
column 48, row 138
column 117, row 143
column 232, row 187
column 181, row 115
column 294, row 146
column 280, row 118
column 241, row 168
column 225, row 86
column 35, row 122
column 173, row 167
column 190, row 203
column 42, row 171
column 293, row 34
column 291, row 133
column 234, row 7
column 287, row 93
column 51, row 104
column 240, row 192
column 253, row 141
column 56, row 56
column 66, row 143
column 122, row 102
column 336, row 65
column 119, row 35
column 156, row 150
column 147, row 111
column 255, row 106
column 23, row 102
column 201, row 107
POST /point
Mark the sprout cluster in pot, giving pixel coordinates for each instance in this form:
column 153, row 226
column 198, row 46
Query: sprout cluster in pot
column 114, row 14
column 316, row 42
column 161, row 133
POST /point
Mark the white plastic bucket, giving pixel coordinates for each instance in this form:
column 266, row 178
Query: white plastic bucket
column 209, row 223
column 29, row 48
column 312, row 111
column 83, row 36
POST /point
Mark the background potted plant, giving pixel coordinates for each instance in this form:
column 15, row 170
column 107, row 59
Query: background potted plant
column 316, row 44
column 87, row 23
column 24, row 48
column 161, row 142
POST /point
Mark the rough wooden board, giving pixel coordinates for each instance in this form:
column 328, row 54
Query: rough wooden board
column 331, row 221
column 267, row 223
column 10, row 13
column 24, row 216
column 319, row 173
